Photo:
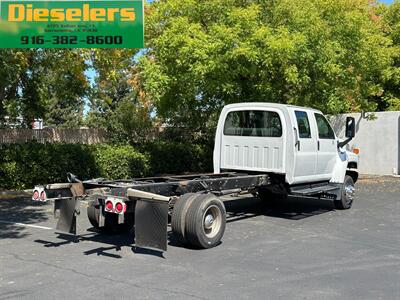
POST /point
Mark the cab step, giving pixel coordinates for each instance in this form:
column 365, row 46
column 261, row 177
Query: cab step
column 314, row 190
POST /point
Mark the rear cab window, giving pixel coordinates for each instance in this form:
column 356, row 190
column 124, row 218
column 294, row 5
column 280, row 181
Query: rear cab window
column 325, row 130
column 303, row 124
column 256, row 123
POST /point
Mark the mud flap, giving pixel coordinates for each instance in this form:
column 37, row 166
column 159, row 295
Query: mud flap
column 151, row 221
column 66, row 210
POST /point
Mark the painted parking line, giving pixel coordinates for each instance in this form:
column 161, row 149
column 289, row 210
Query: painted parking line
column 26, row 225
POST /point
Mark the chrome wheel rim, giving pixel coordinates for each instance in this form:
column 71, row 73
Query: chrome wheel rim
column 349, row 191
column 212, row 221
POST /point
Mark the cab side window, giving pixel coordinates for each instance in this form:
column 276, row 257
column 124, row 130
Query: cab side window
column 324, row 129
column 303, row 124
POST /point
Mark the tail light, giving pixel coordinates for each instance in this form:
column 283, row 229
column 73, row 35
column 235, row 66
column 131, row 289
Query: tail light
column 356, row 151
column 43, row 196
column 119, row 207
column 109, row 206
column 115, row 205
column 39, row 193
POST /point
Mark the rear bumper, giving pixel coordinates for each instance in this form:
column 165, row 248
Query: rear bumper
column 151, row 211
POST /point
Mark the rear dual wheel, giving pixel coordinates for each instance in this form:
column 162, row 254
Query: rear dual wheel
column 199, row 220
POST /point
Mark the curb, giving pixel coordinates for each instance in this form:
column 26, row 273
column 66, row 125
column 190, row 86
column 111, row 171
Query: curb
column 369, row 176
column 15, row 194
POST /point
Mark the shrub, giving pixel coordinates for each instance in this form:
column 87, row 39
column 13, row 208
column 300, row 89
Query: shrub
column 23, row 166
column 178, row 158
column 121, row 162
column 26, row 165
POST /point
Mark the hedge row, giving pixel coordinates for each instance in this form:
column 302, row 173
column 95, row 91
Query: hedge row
column 23, row 166
column 178, row 158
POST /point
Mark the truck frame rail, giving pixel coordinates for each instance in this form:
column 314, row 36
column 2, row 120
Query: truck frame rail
column 149, row 201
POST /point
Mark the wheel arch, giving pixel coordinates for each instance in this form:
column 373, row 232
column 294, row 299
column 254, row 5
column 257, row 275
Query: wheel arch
column 353, row 174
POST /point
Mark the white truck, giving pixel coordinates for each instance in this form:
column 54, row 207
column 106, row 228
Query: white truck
column 265, row 149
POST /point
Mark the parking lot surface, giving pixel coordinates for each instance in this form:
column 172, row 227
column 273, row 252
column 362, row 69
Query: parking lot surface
column 293, row 249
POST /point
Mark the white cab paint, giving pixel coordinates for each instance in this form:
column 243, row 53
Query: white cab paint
column 313, row 159
column 254, row 153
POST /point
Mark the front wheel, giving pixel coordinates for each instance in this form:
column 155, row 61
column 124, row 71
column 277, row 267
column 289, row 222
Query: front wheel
column 347, row 194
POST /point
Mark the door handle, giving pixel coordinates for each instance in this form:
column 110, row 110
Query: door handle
column 319, row 146
column 296, row 138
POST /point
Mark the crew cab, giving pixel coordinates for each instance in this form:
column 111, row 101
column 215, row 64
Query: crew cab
column 295, row 145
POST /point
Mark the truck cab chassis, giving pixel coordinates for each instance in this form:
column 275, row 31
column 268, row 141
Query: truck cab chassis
column 267, row 150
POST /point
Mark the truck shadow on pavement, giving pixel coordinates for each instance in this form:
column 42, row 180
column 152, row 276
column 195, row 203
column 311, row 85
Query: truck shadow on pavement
column 290, row 209
column 116, row 242
column 111, row 244
column 24, row 211
column 251, row 207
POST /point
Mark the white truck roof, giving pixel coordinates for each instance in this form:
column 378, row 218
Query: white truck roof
column 249, row 105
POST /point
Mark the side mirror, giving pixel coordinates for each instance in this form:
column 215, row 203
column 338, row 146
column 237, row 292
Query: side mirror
column 350, row 127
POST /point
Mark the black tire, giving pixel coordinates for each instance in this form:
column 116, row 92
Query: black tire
column 347, row 194
column 265, row 195
column 203, row 206
column 178, row 222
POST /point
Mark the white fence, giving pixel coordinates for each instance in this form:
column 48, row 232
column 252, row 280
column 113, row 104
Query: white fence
column 378, row 141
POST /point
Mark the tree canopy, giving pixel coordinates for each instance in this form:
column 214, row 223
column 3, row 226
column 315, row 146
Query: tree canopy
column 336, row 56
column 48, row 84
column 391, row 75
column 332, row 55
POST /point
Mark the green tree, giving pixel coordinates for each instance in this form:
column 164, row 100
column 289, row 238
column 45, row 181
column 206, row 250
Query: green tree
column 117, row 102
column 391, row 75
column 66, row 87
column 18, row 85
column 209, row 53
column 38, row 83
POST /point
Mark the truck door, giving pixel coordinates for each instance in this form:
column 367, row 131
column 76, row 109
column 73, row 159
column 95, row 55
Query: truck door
column 306, row 148
column 327, row 148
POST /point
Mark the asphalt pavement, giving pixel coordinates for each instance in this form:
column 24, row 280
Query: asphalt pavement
column 295, row 249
